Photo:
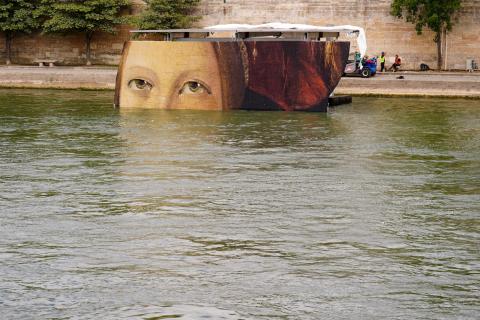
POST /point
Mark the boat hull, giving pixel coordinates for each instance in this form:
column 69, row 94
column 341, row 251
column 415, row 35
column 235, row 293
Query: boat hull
column 225, row 75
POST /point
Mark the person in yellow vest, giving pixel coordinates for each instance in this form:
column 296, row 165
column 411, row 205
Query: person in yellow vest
column 381, row 59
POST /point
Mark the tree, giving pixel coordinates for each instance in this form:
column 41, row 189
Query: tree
column 164, row 14
column 17, row 16
column 88, row 17
column 434, row 14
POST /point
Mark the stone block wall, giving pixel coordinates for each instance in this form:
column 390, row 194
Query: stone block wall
column 384, row 32
column 69, row 49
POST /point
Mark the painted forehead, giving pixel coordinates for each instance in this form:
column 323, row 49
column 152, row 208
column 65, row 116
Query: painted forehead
column 146, row 53
column 163, row 60
column 171, row 75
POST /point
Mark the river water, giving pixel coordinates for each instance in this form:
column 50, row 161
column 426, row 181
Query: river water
column 371, row 211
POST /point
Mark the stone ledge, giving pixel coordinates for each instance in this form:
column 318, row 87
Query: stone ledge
column 459, row 84
column 435, row 84
column 58, row 77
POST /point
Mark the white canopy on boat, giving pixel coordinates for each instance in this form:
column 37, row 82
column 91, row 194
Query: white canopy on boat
column 360, row 32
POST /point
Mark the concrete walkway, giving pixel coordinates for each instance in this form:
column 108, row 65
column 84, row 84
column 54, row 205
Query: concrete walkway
column 58, row 77
column 448, row 84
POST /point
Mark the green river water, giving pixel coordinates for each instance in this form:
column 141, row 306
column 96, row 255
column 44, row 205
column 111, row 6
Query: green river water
column 371, row 211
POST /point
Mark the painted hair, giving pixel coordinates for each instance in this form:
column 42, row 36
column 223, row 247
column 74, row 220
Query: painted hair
column 233, row 72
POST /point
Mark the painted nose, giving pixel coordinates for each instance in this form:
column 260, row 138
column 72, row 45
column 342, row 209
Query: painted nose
column 162, row 101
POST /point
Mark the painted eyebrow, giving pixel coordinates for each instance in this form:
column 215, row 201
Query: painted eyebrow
column 138, row 71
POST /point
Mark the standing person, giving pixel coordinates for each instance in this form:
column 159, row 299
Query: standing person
column 382, row 62
column 358, row 58
column 396, row 64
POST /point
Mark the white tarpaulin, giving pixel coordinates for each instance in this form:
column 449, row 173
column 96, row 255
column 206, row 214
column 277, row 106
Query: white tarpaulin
column 360, row 32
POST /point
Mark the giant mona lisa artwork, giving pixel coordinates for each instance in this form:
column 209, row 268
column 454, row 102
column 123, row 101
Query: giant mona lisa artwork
column 292, row 75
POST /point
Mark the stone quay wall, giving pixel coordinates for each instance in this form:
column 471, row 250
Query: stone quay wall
column 384, row 32
column 69, row 49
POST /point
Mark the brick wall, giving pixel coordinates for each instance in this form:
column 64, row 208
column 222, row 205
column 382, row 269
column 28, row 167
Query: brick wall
column 384, row 32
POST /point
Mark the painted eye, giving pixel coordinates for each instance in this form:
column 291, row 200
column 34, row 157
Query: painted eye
column 140, row 84
column 194, row 87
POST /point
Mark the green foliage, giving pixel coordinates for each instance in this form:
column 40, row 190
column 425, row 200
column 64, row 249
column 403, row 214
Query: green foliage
column 434, row 14
column 437, row 15
column 165, row 14
column 18, row 16
column 87, row 16
column 82, row 16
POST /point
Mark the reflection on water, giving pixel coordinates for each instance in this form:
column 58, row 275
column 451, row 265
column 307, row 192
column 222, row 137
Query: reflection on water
column 370, row 211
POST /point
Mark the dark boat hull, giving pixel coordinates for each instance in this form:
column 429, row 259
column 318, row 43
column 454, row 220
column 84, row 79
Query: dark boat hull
column 224, row 75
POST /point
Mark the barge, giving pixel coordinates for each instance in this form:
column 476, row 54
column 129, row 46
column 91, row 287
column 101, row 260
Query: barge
column 264, row 67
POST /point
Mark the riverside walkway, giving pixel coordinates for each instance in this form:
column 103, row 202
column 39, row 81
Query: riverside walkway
column 445, row 84
column 58, row 77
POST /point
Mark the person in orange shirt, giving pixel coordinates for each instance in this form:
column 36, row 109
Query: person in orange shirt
column 396, row 64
